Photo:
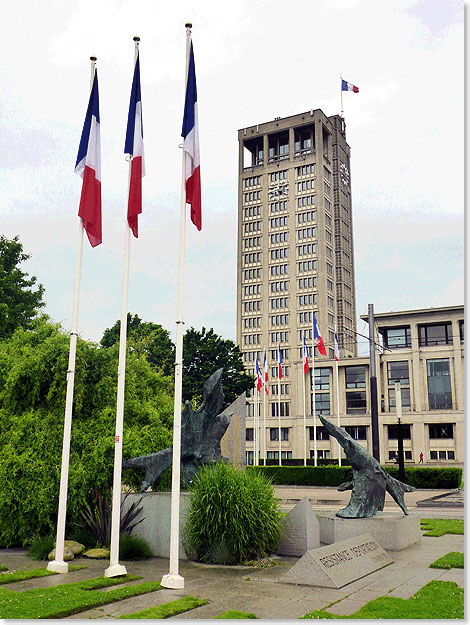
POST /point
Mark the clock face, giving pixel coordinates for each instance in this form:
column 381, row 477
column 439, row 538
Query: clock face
column 278, row 189
column 344, row 174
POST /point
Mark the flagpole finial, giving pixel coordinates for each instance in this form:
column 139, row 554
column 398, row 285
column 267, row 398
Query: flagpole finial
column 188, row 25
column 136, row 40
column 93, row 59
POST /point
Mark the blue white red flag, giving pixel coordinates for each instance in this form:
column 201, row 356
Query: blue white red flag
column 305, row 357
column 259, row 377
column 318, row 339
column 348, row 86
column 336, row 346
column 88, row 166
column 190, row 133
column 265, row 373
column 280, row 363
column 134, row 146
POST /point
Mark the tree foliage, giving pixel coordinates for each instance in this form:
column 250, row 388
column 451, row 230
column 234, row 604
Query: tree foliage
column 19, row 302
column 33, row 365
column 145, row 338
column 203, row 353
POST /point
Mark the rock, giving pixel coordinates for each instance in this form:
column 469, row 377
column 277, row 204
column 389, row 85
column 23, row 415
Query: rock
column 75, row 548
column 97, row 553
column 68, row 554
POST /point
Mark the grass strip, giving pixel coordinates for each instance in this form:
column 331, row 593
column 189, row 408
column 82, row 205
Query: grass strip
column 3, row 568
column 165, row 610
column 436, row 600
column 19, row 576
column 439, row 527
column 452, row 560
column 66, row 599
column 236, row 614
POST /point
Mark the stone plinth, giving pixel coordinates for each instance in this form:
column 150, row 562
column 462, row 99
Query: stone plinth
column 393, row 530
column 301, row 530
column 155, row 528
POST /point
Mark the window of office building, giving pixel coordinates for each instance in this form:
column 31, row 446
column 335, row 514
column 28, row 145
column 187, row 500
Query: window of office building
column 304, row 140
column 284, row 409
column 322, row 403
column 436, row 334
column 357, row 432
column 405, row 399
column 250, row 457
column 321, row 454
column 441, row 430
column 356, row 402
column 278, row 146
column 439, row 387
column 461, row 330
column 355, row 376
column 395, row 338
column 398, row 372
column 393, row 431
column 322, row 433
column 322, row 378
column 442, row 455
column 249, row 434
column 274, row 455
column 274, row 434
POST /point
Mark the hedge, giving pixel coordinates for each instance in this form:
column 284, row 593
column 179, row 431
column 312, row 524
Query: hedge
column 419, row 477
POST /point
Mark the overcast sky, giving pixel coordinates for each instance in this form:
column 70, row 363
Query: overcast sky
column 255, row 60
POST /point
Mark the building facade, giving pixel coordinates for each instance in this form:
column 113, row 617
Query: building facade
column 422, row 350
column 295, row 249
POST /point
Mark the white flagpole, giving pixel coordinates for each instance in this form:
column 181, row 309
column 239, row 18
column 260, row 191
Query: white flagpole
column 341, row 91
column 314, row 408
column 264, row 419
column 173, row 579
column 58, row 565
column 279, row 400
column 305, row 419
column 115, row 568
column 255, row 428
column 337, row 399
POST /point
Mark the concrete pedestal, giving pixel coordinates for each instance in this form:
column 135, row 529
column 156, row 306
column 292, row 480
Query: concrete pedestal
column 394, row 531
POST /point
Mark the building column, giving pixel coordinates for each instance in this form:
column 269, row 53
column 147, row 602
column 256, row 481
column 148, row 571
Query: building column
column 418, row 389
column 458, row 367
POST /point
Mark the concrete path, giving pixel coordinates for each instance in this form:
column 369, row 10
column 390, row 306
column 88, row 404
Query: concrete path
column 259, row 590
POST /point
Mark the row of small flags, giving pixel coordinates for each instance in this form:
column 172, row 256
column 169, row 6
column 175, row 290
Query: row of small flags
column 320, row 345
column 88, row 164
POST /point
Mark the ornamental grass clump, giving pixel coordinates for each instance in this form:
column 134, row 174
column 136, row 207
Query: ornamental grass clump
column 233, row 516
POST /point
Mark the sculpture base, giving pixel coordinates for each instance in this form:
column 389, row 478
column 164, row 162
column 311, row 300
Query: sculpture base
column 175, row 582
column 58, row 567
column 394, row 531
column 115, row 570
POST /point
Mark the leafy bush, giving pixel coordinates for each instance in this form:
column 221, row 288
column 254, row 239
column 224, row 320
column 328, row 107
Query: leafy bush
column 133, row 548
column 41, row 547
column 33, row 365
column 430, row 477
column 233, row 516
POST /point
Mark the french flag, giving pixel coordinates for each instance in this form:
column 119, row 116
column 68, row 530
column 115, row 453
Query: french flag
column 318, row 339
column 336, row 346
column 265, row 373
column 88, row 166
column 348, row 86
column 305, row 357
column 190, row 133
column 259, row 377
column 134, row 146
column 280, row 363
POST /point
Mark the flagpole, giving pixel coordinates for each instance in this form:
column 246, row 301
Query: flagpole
column 279, row 402
column 341, row 92
column 305, row 418
column 58, row 565
column 115, row 568
column 173, row 579
column 314, row 408
column 337, row 395
column 264, row 419
column 255, row 423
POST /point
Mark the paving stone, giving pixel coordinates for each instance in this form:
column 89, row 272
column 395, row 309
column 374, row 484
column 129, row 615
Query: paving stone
column 405, row 591
column 454, row 575
column 345, row 607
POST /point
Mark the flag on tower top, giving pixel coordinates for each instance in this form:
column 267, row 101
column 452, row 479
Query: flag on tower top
column 134, row 146
column 336, row 346
column 88, row 166
column 190, row 133
column 348, row 86
column 280, row 362
column 305, row 357
column 265, row 373
column 259, row 377
column 318, row 339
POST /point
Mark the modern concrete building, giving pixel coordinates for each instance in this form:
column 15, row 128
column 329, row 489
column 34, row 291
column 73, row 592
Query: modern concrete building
column 423, row 350
column 295, row 249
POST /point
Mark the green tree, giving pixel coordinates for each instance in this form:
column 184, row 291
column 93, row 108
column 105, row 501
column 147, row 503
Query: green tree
column 145, row 338
column 33, row 365
column 203, row 353
column 19, row 302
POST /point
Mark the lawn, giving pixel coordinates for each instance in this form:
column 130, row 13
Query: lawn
column 439, row 527
column 229, row 614
column 452, row 560
column 165, row 610
column 436, row 600
column 66, row 599
column 19, row 576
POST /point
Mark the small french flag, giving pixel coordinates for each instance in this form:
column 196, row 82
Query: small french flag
column 305, row 357
column 348, row 86
column 259, row 377
column 280, row 363
column 336, row 346
column 318, row 339
column 265, row 373
column 134, row 146
column 88, row 166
